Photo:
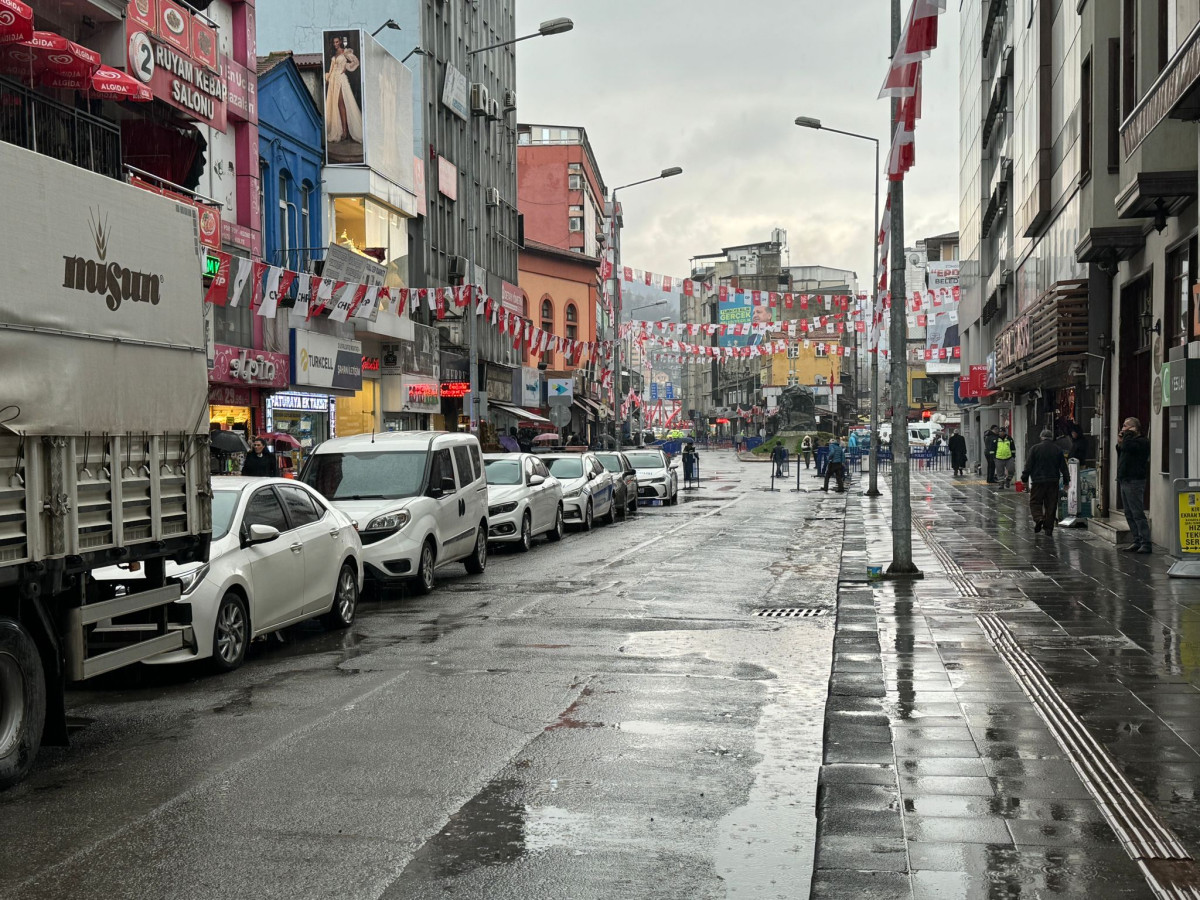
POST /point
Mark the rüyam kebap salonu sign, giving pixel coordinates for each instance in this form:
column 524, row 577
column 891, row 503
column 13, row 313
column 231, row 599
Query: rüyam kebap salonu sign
column 175, row 54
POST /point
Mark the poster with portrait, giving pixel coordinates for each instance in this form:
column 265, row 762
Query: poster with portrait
column 343, row 97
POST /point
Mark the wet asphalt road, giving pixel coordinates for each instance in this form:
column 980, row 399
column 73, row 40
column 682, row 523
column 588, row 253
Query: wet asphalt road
column 602, row 718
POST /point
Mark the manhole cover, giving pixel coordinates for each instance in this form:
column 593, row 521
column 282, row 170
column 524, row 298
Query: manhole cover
column 986, row 605
column 790, row 613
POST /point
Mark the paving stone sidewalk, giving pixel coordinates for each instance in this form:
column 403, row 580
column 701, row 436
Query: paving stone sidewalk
column 940, row 777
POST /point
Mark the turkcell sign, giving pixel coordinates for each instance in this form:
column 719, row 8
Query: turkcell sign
column 319, row 360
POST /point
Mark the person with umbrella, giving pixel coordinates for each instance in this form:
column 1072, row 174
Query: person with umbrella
column 260, row 462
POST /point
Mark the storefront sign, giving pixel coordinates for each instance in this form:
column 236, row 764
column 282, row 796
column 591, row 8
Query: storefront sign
column 420, row 396
column 1014, row 342
column 454, row 93
column 1188, row 506
column 240, row 236
column 1180, row 76
column 323, row 361
column 371, row 366
column 178, row 61
column 419, row 183
column 512, row 298
column 242, row 97
column 260, row 368
column 1184, row 386
column 225, row 395
column 296, row 402
column 455, row 389
column 447, row 178
column 527, row 387
column 499, row 386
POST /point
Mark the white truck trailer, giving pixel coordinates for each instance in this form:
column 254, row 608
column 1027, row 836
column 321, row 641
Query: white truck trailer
column 103, row 433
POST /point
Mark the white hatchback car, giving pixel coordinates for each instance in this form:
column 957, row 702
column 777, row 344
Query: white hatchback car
column 280, row 554
column 419, row 497
column 524, row 499
column 588, row 488
column 657, row 478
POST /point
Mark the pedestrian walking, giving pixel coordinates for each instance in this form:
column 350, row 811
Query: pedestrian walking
column 835, row 465
column 806, row 448
column 1006, row 453
column 1044, row 466
column 1133, row 470
column 779, row 456
column 989, row 452
column 260, row 462
column 958, row 453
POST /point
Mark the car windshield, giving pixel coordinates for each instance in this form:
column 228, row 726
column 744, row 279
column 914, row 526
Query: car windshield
column 224, row 505
column 610, row 461
column 646, row 460
column 565, row 467
column 368, row 475
column 503, row 471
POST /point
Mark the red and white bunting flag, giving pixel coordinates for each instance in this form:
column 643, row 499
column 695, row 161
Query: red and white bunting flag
column 439, row 302
column 270, row 301
column 304, row 295
column 366, row 300
column 245, row 266
column 322, row 293
column 218, row 292
column 343, row 299
column 256, row 282
column 917, row 42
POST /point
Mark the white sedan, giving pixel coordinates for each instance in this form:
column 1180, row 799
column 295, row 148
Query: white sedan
column 280, row 554
column 588, row 487
column 524, row 499
column 657, row 478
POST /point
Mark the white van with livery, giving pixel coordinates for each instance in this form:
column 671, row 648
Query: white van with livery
column 420, row 499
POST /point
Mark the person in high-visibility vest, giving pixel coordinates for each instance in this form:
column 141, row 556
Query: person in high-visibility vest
column 1006, row 452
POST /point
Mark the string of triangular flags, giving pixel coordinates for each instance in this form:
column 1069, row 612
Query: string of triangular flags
column 268, row 289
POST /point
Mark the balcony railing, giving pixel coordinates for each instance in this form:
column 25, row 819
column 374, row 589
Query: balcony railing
column 1054, row 329
column 35, row 122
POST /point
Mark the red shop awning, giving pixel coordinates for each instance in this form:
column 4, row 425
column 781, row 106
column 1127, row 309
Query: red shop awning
column 54, row 53
column 117, row 85
column 16, row 22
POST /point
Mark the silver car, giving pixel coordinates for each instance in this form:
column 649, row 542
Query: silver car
column 588, row 487
column 657, row 478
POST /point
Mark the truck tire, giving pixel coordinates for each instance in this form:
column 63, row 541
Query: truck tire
column 22, row 702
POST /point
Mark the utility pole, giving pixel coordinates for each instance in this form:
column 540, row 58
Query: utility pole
column 902, row 558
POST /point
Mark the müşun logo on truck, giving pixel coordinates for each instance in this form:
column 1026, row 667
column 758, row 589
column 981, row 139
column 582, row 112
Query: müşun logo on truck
column 110, row 279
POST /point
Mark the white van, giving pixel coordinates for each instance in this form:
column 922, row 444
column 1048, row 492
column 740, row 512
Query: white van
column 920, row 434
column 419, row 497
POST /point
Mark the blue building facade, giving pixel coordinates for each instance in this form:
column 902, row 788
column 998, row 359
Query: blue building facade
column 291, row 154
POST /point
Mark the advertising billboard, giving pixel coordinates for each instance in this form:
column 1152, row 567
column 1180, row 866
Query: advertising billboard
column 941, row 335
column 319, row 360
column 175, row 54
column 739, row 309
column 344, row 133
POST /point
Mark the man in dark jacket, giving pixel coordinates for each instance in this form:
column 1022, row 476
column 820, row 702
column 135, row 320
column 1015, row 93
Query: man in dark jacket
column 1044, row 466
column 1133, row 470
column 958, row 452
column 260, row 462
column 990, row 437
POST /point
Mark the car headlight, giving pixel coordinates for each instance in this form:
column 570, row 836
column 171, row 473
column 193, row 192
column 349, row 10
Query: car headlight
column 189, row 581
column 501, row 508
column 392, row 521
column 658, row 479
column 571, row 495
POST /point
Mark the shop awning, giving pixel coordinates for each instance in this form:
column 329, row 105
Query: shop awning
column 520, row 413
column 16, row 22
column 590, row 407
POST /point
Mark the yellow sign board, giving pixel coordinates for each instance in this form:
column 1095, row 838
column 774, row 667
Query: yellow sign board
column 1189, row 521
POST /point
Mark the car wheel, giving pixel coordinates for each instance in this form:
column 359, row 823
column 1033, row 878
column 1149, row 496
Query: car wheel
column 231, row 634
column 610, row 517
column 556, row 534
column 587, row 516
column 477, row 561
column 526, row 534
column 623, row 509
column 424, row 581
column 345, row 600
column 22, row 702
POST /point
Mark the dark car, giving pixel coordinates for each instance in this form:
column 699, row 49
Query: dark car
column 625, row 478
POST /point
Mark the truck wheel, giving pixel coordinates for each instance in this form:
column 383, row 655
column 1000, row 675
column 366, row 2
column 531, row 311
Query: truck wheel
column 22, row 702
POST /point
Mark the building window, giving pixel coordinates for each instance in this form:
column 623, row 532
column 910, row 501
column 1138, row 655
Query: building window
column 793, row 350
column 822, row 350
column 304, row 239
column 1129, row 54
column 572, row 322
column 1114, row 106
column 547, row 315
column 1181, row 275
column 575, row 223
column 793, row 380
column 575, row 182
column 1085, row 120
column 284, row 229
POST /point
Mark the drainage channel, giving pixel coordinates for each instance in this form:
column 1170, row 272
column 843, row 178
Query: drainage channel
column 1149, row 841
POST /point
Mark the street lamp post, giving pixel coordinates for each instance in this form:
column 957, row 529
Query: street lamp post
column 873, row 486
column 474, row 232
column 665, row 173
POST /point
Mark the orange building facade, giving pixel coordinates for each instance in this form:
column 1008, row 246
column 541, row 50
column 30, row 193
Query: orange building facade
column 561, row 296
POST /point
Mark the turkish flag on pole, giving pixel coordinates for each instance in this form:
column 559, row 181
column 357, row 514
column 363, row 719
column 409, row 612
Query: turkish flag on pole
column 917, row 42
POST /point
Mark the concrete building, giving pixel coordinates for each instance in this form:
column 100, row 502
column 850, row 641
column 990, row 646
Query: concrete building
column 931, row 273
column 461, row 171
column 560, row 192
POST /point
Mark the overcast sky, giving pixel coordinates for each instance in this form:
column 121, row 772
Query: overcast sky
column 714, row 86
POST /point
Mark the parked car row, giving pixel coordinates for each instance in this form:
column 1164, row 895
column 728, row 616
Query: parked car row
column 389, row 509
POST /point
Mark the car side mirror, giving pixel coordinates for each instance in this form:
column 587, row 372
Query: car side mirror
column 448, row 485
column 261, row 534
column 535, row 480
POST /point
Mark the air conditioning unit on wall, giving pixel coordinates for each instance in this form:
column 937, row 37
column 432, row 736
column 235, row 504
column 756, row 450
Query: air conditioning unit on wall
column 494, row 109
column 510, row 101
column 480, row 99
column 492, row 197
